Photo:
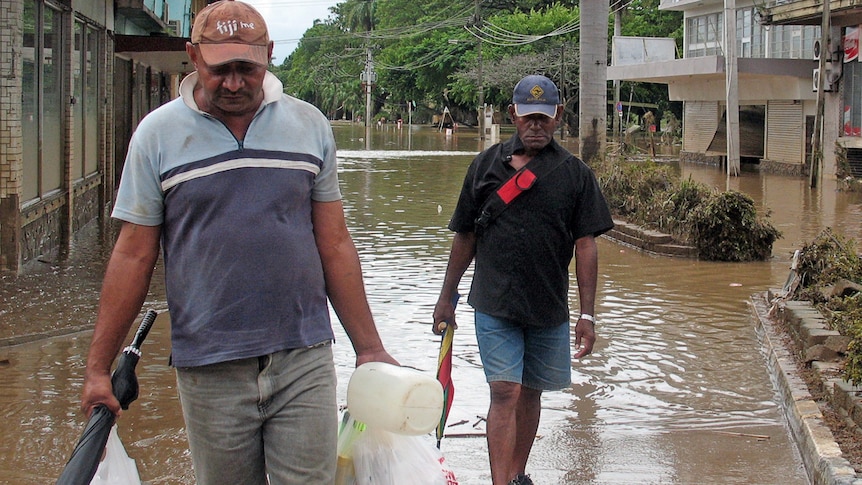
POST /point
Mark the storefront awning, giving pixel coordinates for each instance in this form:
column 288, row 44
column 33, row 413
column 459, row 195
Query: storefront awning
column 162, row 53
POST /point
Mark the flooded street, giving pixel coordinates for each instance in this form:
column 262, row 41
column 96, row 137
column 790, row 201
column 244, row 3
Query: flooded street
column 676, row 392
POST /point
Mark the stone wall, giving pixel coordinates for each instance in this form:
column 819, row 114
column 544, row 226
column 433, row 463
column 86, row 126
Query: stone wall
column 782, row 168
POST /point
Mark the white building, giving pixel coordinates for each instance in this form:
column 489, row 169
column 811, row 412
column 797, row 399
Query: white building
column 776, row 93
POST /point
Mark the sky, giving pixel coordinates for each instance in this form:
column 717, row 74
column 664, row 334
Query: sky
column 287, row 20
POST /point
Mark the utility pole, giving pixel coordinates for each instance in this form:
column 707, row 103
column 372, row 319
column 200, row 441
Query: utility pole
column 478, row 24
column 731, row 71
column 368, row 78
column 593, row 95
column 817, row 133
column 617, row 121
column 563, row 90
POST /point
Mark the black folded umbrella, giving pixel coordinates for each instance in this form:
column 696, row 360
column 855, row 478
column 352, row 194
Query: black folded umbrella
column 84, row 462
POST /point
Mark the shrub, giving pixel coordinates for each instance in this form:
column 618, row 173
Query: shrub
column 629, row 188
column 830, row 258
column 827, row 259
column 727, row 228
column 723, row 226
column 680, row 204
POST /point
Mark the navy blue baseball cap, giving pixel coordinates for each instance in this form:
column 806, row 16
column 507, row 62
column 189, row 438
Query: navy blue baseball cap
column 536, row 94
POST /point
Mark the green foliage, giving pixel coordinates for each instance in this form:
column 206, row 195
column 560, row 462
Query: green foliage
column 423, row 52
column 356, row 15
column 324, row 70
column 673, row 216
column 828, row 259
column 630, row 188
column 727, row 228
column 526, row 48
column 853, row 362
column 847, row 320
column 642, row 18
column 723, row 226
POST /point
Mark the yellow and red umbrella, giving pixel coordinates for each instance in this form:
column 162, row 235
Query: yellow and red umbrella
column 444, row 373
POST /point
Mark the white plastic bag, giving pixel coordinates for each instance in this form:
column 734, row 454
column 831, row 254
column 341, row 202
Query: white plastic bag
column 116, row 468
column 384, row 458
column 349, row 431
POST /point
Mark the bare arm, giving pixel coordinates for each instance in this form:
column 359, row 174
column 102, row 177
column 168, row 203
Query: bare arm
column 460, row 257
column 586, row 271
column 124, row 289
column 344, row 286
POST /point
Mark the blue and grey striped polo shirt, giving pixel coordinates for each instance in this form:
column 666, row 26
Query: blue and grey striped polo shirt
column 243, row 274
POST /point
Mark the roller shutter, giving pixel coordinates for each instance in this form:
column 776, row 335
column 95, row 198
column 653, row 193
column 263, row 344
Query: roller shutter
column 785, row 132
column 699, row 125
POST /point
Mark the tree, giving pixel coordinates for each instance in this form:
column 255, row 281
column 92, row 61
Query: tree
column 324, row 70
column 426, row 52
column 356, row 15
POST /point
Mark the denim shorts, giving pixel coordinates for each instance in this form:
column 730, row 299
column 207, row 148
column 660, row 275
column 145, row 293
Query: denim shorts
column 538, row 358
column 270, row 419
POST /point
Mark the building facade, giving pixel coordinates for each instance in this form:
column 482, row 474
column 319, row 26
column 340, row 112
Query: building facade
column 843, row 72
column 774, row 93
column 69, row 100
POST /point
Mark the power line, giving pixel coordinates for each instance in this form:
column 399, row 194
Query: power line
column 495, row 35
column 396, row 33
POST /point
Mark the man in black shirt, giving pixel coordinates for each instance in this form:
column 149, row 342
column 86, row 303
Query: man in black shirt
column 526, row 207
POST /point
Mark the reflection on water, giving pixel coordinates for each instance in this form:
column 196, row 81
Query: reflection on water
column 676, row 391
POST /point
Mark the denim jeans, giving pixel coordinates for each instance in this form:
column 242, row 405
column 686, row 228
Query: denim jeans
column 272, row 416
column 538, row 358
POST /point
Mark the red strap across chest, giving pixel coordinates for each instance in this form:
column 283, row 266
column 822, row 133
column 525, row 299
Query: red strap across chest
column 513, row 187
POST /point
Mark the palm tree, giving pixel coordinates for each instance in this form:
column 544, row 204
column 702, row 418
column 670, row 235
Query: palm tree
column 357, row 15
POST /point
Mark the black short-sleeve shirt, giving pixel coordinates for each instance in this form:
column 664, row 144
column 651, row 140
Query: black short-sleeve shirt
column 522, row 257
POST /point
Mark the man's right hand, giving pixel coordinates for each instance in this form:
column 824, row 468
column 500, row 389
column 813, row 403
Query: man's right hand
column 98, row 390
column 444, row 316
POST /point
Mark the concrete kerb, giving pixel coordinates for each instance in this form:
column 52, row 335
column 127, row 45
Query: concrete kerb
column 820, row 454
column 648, row 241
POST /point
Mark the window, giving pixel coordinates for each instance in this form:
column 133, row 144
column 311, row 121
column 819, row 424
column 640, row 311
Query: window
column 703, row 35
column 42, row 100
column 745, row 31
column 852, row 94
column 85, row 90
column 78, row 106
column 793, row 41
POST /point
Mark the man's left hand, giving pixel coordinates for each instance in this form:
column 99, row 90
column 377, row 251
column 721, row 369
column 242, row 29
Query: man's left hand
column 585, row 337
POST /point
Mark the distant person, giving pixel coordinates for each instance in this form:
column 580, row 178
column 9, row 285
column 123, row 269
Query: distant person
column 526, row 206
column 236, row 183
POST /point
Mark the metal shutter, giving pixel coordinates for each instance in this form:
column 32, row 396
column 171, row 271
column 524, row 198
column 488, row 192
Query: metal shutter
column 699, row 125
column 785, row 132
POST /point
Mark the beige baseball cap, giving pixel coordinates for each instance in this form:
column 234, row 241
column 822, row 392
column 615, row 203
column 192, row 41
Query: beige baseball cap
column 230, row 30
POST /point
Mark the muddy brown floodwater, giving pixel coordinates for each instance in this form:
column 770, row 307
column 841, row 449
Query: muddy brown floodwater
column 676, row 392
